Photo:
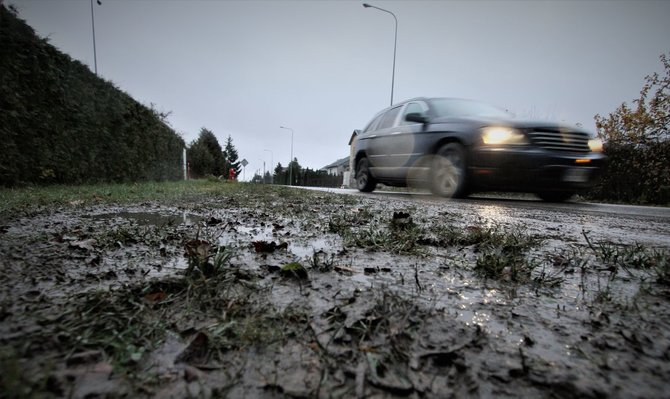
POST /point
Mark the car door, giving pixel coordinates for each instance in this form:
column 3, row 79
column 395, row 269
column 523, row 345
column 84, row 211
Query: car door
column 403, row 150
column 378, row 148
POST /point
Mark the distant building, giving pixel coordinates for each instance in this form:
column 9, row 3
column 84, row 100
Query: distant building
column 344, row 167
column 338, row 167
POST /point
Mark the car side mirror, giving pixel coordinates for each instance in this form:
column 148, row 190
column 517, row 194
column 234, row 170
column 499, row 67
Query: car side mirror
column 416, row 117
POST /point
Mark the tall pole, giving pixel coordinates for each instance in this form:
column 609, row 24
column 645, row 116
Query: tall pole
column 95, row 55
column 290, row 169
column 395, row 43
column 272, row 163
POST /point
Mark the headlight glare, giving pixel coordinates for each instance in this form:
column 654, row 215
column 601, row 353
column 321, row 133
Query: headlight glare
column 498, row 135
column 596, row 145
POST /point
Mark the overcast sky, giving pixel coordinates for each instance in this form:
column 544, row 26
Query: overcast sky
column 323, row 68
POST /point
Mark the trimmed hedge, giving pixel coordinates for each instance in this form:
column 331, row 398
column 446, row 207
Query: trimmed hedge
column 60, row 123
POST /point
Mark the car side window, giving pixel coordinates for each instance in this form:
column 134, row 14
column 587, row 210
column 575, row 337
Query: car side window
column 372, row 125
column 412, row 108
column 389, row 118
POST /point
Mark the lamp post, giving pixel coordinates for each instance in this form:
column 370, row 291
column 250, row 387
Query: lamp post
column 395, row 42
column 272, row 163
column 95, row 55
column 290, row 169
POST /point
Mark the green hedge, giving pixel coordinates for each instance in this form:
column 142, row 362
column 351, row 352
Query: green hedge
column 60, row 123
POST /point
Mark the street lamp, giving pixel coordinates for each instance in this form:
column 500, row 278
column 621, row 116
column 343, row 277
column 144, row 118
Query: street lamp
column 95, row 56
column 290, row 169
column 395, row 42
column 272, row 163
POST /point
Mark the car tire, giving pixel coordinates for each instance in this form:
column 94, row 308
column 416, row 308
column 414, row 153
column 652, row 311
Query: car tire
column 448, row 172
column 364, row 180
column 555, row 196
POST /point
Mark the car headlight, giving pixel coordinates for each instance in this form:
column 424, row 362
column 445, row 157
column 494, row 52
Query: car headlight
column 499, row 135
column 596, row 145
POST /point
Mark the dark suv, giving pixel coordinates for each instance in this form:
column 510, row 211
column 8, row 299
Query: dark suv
column 457, row 147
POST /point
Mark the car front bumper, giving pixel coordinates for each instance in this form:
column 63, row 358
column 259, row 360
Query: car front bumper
column 521, row 169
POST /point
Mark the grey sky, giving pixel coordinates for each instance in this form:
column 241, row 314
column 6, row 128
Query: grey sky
column 323, row 68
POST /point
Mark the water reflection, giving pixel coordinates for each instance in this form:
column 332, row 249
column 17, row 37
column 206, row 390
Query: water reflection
column 492, row 214
column 152, row 218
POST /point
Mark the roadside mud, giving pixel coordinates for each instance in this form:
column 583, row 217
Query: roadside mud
column 276, row 292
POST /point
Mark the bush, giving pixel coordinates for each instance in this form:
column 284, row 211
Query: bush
column 637, row 144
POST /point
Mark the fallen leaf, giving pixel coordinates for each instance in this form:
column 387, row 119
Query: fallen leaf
column 155, row 297
column 198, row 248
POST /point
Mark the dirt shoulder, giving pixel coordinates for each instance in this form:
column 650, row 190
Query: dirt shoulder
column 269, row 292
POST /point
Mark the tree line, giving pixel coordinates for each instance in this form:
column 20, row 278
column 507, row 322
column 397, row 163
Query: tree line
column 295, row 175
column 206, row 157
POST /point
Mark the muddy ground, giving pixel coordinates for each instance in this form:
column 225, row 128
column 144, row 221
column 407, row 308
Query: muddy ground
column 276, row 292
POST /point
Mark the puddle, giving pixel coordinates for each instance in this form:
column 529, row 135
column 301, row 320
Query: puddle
column 152, row 218
column 328, row 245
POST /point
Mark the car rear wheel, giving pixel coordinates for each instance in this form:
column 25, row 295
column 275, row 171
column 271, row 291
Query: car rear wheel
column 555, row 196
column 364, row 180
column 448, row 172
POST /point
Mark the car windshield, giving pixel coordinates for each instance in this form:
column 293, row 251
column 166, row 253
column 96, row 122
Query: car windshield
column 467, row 108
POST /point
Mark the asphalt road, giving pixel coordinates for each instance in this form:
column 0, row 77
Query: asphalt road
column 657, row 214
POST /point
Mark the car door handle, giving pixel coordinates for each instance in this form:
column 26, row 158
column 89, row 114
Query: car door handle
column 395, row 133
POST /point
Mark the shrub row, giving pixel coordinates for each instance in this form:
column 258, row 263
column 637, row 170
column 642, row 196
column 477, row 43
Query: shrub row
column 635, row 173
column 60, row 123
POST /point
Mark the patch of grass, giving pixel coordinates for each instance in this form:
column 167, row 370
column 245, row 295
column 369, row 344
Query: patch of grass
column 627, row 257
column 398, row 235
column 321, row 261
column 206, row 259
column 503, row 254
column 118, row 323
column 503, row 266
column 31, row 198
column 661, row 268
column 383, row 238
column 482, row 237
column 343, row 223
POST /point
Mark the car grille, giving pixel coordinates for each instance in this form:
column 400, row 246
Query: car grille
column 554, row 140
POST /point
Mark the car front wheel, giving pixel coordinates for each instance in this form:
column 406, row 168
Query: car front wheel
column 448, row 172
column 364, row 180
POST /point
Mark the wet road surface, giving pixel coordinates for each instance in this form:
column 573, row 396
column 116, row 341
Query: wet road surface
column 527, row 202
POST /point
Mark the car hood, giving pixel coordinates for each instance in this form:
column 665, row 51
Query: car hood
column 515, row 123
